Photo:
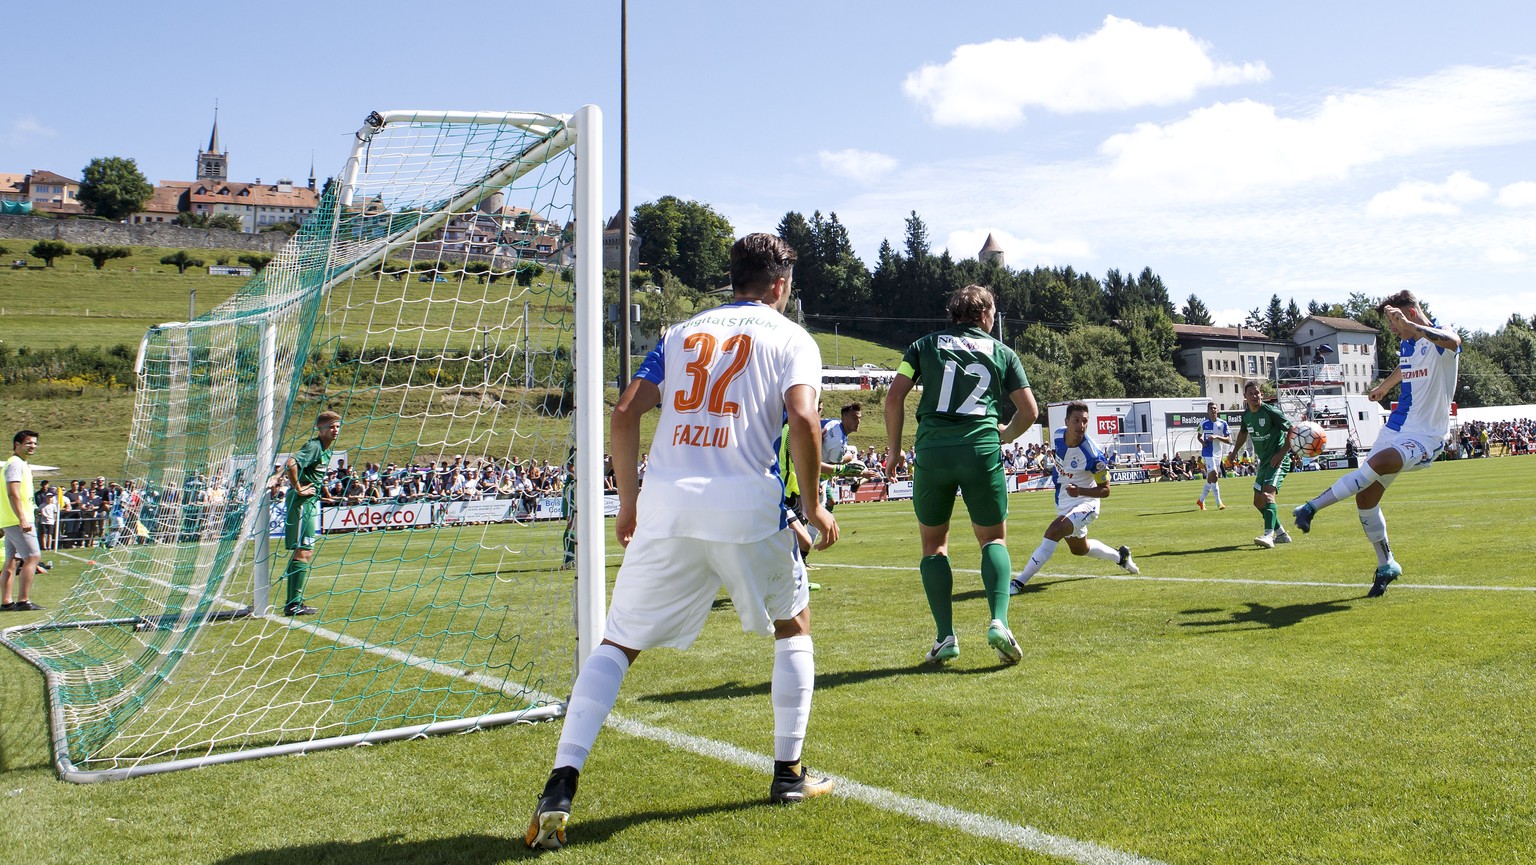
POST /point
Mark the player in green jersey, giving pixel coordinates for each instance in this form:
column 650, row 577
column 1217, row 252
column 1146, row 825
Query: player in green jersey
column 305, row 472
column 966, row 376
column 1270, row 431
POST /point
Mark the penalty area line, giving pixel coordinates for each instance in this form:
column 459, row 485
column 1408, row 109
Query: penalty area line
column 979, row 825
column 1132, row 578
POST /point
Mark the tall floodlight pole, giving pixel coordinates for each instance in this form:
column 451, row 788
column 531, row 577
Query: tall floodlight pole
column 623, row 331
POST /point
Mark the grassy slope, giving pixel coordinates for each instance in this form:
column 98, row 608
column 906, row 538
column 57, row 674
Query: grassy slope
column 1236, row 706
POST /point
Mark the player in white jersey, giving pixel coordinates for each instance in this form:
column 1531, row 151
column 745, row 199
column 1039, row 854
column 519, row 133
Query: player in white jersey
column 1081, row 474
column 1414, row 434
column 711, row 514
column 1215, row 436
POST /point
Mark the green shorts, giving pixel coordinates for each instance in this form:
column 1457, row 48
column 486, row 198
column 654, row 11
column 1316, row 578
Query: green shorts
column 1266, row 475
column 302, row 524
column 976, row 472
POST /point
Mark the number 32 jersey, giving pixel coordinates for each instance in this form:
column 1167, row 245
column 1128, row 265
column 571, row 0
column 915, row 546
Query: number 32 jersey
column 714, row 471
column 966, row 377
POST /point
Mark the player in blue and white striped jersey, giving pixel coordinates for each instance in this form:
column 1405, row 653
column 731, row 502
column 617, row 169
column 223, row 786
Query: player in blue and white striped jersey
column 1415, row 432
column 1081, row 475
column 1215, row 436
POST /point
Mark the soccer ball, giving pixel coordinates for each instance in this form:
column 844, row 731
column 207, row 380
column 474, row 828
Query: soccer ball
column 1310, row 439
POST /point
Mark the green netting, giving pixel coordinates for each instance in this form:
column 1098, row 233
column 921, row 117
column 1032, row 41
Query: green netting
column 430, row 301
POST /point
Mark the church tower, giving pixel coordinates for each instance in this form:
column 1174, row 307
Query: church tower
column 991, row 251
column 213, row 163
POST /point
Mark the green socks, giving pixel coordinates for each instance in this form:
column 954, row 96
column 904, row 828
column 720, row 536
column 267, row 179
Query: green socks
column 939, row 586
column 996, row 571
column 296, row 574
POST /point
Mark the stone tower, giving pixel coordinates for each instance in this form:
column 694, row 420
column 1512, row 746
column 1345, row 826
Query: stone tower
column 991, row 251
column 213, row 163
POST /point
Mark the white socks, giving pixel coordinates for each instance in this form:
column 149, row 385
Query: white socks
column 794, row 679
column 1101, row 550
column 1375, row 526
column 592, row 696
column 1350, row 485
column 1037, row 559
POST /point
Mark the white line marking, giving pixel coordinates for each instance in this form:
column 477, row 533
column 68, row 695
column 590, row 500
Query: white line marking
column 1234, row 580
column 1024, row 837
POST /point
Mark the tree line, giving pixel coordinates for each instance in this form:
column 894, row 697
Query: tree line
column 1077, row 334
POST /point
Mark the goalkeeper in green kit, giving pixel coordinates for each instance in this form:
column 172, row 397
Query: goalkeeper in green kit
column 1271, row 433
column 305, row 472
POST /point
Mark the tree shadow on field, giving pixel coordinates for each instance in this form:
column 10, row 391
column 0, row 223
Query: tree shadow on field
column 467, row 849
column 1227, row 549
column 1257, row 616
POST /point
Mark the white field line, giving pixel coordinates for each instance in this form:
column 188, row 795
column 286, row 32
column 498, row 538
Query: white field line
column 1397, row 586
column 1024, row 837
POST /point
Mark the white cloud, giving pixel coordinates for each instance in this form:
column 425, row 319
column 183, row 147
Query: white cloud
column 1122, row 65
column 24, row 130
column 1505, row 255
column 1231, row 317
column 1421, row 198
column 1522, row 194
column 861, row 166
column 1020, row 252
column 1229, row 150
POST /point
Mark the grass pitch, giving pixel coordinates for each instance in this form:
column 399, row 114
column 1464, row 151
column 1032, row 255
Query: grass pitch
column 1230, row 705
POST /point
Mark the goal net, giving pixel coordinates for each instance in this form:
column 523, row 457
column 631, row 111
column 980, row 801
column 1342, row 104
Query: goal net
column 445, row 300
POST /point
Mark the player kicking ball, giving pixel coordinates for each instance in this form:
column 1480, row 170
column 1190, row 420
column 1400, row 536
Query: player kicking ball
column 1415, row 432
column 1081, row 475
column 1270, row 431
column 1214, row 433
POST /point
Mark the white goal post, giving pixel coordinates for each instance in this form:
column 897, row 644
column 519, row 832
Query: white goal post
column 446, row 299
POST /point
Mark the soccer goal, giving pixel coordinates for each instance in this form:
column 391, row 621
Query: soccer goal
column 446, row 300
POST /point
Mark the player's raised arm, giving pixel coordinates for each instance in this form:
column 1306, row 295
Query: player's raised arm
column 624, row 431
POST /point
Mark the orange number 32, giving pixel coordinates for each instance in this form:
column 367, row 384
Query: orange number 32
column 705, row 347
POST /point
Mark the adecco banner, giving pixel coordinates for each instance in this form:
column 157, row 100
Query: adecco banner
column 1129, row 476
column 387, row 516
column 483, row 511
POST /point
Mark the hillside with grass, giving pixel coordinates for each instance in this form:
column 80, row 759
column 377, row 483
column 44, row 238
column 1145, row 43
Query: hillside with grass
column 69, row 333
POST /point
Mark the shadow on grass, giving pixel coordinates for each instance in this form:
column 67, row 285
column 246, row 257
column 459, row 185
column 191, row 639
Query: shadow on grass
column 1030, row 588
column 468, row 849
column 1227, row 549
column 824, row 680
column 1256, row 616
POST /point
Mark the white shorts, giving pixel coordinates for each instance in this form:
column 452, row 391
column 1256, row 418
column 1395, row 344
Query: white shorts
column 1417, row 450
column 20, row 544
column 666, row 587
column 1082, row 514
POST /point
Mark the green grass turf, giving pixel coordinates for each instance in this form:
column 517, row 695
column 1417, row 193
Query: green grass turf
column 72, row 303
column 1233, row 705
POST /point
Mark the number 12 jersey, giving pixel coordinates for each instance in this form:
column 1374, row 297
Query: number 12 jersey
column 966, row 377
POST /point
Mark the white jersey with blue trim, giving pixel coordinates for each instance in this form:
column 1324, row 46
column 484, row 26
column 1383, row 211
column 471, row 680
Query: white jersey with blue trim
column 714, row 469
column 1428, row 386
column 1209, row 448
column 1082, row 465
column 834, row 441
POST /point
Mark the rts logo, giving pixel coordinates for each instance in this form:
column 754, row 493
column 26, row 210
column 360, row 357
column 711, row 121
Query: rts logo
column 1108, row 426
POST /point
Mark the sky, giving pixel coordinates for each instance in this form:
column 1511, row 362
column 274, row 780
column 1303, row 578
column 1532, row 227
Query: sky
column 1307, row 149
